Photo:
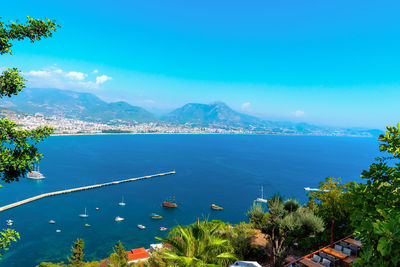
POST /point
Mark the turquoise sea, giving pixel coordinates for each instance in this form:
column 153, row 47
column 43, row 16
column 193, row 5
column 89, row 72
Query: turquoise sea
column 224, row 169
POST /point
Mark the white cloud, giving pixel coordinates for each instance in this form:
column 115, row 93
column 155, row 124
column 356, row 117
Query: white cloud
column 299, row 113
column 75, row 75
column 39, row 73
column 57, row 78
column 95, row 71
column 102, row 79
column 246, row 105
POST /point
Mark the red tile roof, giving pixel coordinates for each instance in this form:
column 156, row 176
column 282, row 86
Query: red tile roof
column 137, row 254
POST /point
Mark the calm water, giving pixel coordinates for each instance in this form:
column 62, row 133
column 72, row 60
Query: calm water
column 224, row 169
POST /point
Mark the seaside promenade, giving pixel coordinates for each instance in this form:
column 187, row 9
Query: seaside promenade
column 22, row 202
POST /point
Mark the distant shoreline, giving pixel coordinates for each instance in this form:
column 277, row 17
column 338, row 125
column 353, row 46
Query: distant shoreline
column 82, row 134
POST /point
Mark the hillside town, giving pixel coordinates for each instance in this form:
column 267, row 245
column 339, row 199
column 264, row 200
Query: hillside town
column 68, row 126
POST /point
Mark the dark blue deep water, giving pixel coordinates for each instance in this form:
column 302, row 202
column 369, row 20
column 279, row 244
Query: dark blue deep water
column 224, row 169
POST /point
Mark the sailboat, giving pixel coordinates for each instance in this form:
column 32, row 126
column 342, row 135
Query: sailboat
column 261, row 199
column 169, row 203
column 35, row 174
column 122, row 203
column 84, row 215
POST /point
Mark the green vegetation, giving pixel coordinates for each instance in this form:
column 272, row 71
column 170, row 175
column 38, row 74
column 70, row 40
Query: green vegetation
column 119, row 257
column 376, row 205
column 198, row 244
column 286, row 223
column 18, row 152
column 76, row 259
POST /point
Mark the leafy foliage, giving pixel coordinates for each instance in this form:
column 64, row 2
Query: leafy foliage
column 7, row 236
column 199, row 244
column 11, row 82
column 331, row 203
column 376, row 213
column 34, row 30
column 18, row 151
column 76, row 259
column 284, row 222
column 120, row 255
column 256, row 215
column 17, row 147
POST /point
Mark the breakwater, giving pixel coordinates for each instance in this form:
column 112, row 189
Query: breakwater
column 22, row 202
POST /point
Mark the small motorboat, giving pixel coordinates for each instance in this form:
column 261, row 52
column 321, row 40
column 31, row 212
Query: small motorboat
column 118, row 219
column 52, row 221
column 85, row 215
column 87, row 225
column 9, row 222
column 155, row 216
column 140, row 226
column 163, row 228
column 215, row 207
column 58, row 231
column 97, row 208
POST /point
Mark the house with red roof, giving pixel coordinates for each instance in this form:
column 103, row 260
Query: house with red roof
column 137, row 254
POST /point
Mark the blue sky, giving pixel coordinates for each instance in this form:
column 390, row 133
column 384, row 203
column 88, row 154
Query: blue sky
column 325, row 62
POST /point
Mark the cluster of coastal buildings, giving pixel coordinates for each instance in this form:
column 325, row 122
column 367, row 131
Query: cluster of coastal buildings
column 63, row 125
column 67, row 126
column 137, row 255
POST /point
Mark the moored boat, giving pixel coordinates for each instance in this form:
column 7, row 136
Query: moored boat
column 140, row 226
column 163, row 228
column 87, row 225
column 215, row 207
column 52, row 221
column 155, row 216
column 9, row 222
column 122, row 203
column 58, row 231
column 169, row 203
column 85, row 215
column 261, row 199
column 118, row 219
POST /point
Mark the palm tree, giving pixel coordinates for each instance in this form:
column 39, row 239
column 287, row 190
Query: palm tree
column 198, row 244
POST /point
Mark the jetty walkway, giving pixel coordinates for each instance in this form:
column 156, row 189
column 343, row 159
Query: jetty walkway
column 22, row 202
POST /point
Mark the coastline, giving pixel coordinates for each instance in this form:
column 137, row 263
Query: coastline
column 158, row 133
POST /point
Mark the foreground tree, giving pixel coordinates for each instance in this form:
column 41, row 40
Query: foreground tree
column 119, row 257
column 376, row 205
column 331, row 204
column 288, row 220
column 199, row 244
column 256, row 215
column 18, row 152
column 76, row 259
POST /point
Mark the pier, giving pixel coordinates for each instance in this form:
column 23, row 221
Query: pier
column 22, row 202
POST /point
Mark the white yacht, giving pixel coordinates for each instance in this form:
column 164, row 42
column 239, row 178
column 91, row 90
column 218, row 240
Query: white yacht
column 118, row 219
column 122, row 203
column 35, row 174
column 52, row 221
column 141, row 226
column 85, row 215
column 261, row 199
column 58, row 231
column 315, row 189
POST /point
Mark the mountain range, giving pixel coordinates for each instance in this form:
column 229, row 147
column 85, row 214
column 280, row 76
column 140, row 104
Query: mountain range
column 88, row 107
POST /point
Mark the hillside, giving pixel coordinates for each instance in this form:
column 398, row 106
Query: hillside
column 76, row 105
column 215, row 114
